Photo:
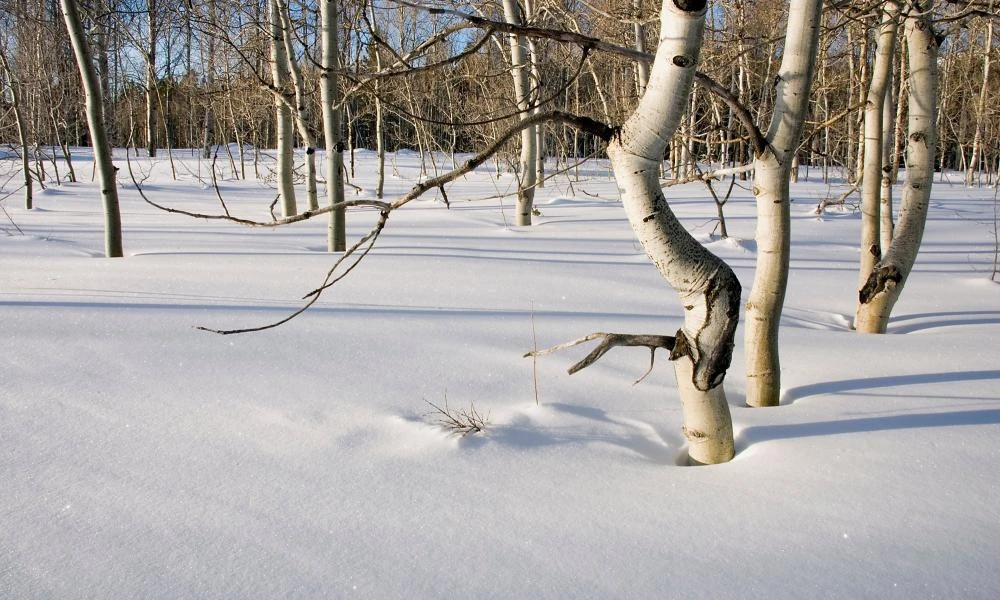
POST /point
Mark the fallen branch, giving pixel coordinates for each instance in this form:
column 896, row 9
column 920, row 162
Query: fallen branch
column 841, row 200
column 611, row 340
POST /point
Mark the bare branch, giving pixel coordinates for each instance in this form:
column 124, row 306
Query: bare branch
column 611, row 340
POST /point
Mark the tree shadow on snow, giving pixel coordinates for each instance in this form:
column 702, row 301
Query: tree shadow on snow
column 559, row 424
column 762, row 433
column 794, row 394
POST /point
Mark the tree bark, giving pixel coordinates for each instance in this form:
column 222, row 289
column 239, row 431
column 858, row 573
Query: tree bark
column 874, row 175
column 329, row 23
column 98, row 135
column 772, row 170
column 977, row 137
column 151, row 91
column 708, row 289
column 22, row 133
column 301, row 118
column 885, row 283
column 280, row 76
column 520, row 69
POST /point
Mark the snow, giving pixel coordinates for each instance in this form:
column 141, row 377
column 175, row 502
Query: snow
column 141, row 457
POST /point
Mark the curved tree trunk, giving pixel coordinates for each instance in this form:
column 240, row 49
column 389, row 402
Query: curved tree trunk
column 707, row 286
column 772, row 170
column 885, row 283
column 98, row 135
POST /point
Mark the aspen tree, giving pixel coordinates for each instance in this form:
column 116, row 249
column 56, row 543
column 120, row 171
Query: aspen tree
column 330, row 83
column 285, row 147
column 874, row 171
column 22, row 134
column 708, row 289
column 977, row 136
column 884, row 284
column 520, row 70
column 772, row 171
column 98, row 136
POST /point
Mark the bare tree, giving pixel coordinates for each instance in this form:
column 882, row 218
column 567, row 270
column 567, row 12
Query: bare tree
column 884, row 283
column 283, row 115
column 22, row 134
column 330, row 23
column 708, row 289
column 520, row 59
column 772, row 171
column 98, row 135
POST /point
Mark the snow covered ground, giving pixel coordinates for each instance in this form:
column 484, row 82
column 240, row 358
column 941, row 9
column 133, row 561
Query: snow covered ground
column 143, row 458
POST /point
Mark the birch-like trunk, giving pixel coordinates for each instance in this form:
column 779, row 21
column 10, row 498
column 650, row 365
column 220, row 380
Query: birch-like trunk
column 22, row 133
column 772, row 170
column 639, row 31
column 329, row 23
column 888, row 133
column 283, row 116
column 885, row 283
column 300, row 108
column 98, row 135
column 873, row 174
column 708, row 289
column 520, row 69
column 977, row 136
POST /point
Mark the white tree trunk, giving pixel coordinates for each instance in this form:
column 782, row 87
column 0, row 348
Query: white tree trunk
column 520, row 69
column 329, row 23
column 280, row 76
column 873, row 175
column 300, row 112
column 707, row 286
column 977, row 137
column 639, row 31
column 98, row 135
column 772, row 170
column 885, row 282
column 888, row 134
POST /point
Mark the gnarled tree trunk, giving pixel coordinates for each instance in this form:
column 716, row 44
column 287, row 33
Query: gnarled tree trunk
column 707, row 286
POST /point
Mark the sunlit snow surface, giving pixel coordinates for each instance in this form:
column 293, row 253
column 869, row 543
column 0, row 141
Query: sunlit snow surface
column 143, row 458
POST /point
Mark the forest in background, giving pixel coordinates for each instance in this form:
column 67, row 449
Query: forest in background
column 196, row 74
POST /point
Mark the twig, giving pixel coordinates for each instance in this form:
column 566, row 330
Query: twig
column 534, row 357
column 462, row 421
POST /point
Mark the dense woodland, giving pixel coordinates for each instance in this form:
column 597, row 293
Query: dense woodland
column 863, row 92
column 187, row 74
